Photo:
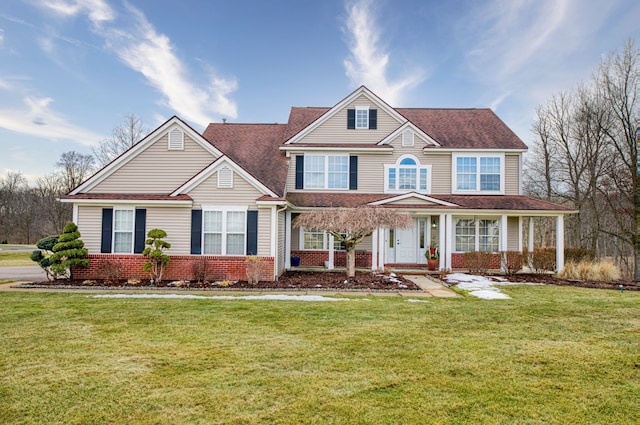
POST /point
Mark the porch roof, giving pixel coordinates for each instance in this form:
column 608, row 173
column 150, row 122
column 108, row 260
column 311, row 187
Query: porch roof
column 461, row 202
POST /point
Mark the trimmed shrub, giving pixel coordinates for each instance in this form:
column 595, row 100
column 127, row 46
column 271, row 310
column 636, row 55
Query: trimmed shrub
column 199, row 269
column 69, row 252
column 111, row 270
column 478, row 262
column 254, row 269
column 511, row 261
column 543, row 260
column 156, row 245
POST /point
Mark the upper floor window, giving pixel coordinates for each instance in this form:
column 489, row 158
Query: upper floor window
column 326, row 172
column 362, row 117
column 478, row 173
column 407, row 175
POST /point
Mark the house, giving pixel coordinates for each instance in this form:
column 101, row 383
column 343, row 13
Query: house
column 234, row 190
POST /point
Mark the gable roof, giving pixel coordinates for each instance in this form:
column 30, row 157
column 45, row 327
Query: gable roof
column 255, row 148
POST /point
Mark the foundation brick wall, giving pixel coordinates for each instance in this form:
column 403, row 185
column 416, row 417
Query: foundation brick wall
column 179, row 267
column 317, row 258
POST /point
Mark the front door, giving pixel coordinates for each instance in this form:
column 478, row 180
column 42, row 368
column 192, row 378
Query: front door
column 402, row 246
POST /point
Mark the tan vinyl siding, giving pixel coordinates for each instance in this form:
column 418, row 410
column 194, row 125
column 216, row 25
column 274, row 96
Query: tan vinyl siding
column 512, row 174
column 512, row 233
column 440, row 173
column 176, row 222
column 157, row 169
column 334, row 130
column 264, row 231
column 90, row 227
column 208, row 193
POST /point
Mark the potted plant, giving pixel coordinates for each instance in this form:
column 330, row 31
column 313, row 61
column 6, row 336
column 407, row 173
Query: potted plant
column 433, row 257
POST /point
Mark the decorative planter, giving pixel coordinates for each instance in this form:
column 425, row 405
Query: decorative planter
column 433, row 264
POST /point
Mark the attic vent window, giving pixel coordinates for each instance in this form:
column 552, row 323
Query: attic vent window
column 407, row 138
column 225, row 178
column 176, row 140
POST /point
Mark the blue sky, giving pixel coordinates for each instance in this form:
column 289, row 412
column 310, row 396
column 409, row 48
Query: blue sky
column 70, row 70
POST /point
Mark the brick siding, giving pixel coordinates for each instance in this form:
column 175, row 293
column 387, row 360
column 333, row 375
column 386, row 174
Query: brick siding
column 317, row 258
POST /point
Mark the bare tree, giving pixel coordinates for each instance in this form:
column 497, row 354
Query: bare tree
column 74, row 169
column 123, row 136
column 48, row 190
column 351, row 225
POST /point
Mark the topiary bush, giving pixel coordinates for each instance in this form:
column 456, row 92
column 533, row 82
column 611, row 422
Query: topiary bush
column 156, row 245
column 512, row 261
column 42, row 254
column 69, row 252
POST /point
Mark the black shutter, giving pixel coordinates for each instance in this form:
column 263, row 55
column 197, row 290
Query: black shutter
column 353, row 172
column 252, row 232
column 107, row 228
column 373, row 119
column 196, row 231
column 299, row 172
column 140, row 231
column 351, row 119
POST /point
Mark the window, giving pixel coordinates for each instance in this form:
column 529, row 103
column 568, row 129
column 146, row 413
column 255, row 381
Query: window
column 326, row 172
column 478, row 173
column 224, row 232
column 123, row 231
column 318, row 240
column 362, row 117
column 407, row 175
column 477, row 235
column 176, row 140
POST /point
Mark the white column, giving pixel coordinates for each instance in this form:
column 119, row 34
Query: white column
column 274, row 233
column 287, row 240
column 531, row 242
column 559, row 243
column 381, row 249
column 330, row 263
column 449, row 234
column 520, row 238
column 441, row 241
column 374, row 249
column 504, row 230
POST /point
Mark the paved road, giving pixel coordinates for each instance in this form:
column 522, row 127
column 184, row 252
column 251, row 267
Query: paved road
column 23, row 273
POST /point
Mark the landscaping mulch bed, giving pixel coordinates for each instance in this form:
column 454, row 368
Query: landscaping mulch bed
column 291, row 280
column 548, row 279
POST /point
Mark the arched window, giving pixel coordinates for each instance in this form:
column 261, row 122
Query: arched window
column 407, row 175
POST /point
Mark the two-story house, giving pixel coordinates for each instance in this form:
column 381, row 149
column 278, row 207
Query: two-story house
column 235, row 190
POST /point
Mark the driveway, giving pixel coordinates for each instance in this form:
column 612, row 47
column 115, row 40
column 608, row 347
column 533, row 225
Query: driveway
column 23, row 273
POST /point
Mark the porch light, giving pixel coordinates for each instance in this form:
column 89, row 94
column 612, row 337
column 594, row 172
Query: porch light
column 433, row 223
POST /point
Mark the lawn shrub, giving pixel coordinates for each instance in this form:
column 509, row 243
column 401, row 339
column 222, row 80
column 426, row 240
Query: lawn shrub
column 603, row 270
column 512, row 261
column 157, row 259
column 199, row 270
column 543, row 260
column 111, row 270
column 254, row 268
column 478, row 262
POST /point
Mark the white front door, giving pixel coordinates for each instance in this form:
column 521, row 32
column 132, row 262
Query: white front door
column 402, row 246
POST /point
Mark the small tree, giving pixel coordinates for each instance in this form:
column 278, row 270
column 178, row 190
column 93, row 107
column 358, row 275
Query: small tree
column 69, row 252
column 351, row 225
column 42, row 254
column 156, row 245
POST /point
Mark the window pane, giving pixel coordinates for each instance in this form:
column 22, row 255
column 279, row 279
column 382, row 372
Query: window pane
column 423, row 179
column 123, row 220
column 212, row 244
column 489, row 182
column 490, row 173
column 407, row 161
column 212, row 221
column 338, row 172
column 466, row 170
column 235, row 222
column 392, row 178
column 465, row 235
column 489, row 235
column 313, row 240
column 235, row 244
column 314, row 172
column 362, row 118
column 407, row 178
column 123, row 242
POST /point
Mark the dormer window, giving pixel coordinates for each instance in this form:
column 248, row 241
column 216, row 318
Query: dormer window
column 362, row 117
column 176, row 140
column 407, row 175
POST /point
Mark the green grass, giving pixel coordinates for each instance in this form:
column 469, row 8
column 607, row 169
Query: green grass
column 16, row 258
column 550, row 355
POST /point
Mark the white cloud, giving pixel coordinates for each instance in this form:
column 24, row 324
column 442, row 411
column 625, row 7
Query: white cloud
column 97, row 10
column 1, row 37
column 38, row 119
column 368, row 62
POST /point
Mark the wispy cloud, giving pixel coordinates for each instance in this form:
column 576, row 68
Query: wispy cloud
column 369, row 62
column 135, row 41
column 1, row 37
column 36, row 118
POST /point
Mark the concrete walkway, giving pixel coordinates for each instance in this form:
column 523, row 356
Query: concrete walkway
column 28, row 274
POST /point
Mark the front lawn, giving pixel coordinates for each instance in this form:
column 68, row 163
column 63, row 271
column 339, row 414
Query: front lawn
column 16, row 258
column 549, row 355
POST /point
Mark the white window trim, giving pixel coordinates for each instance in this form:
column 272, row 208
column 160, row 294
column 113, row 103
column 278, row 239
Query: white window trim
column 362, row 108
column 325, row 185
column 325, row 241
column 418, row 167
column 224, row 209
column 477, row 231
column 177, row 145
column 477, row 155
column 113, row 231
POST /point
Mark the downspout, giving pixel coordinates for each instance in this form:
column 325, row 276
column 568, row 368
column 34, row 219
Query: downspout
column 274, row 240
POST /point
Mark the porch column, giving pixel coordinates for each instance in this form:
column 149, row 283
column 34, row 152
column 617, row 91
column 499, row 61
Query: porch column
column 330, row 263
column 559, row 242
column 441, row 241
column 504, row 229
column 287, row 240
column 531, row 243
column 520, row 238
column 381, row 248
column 449, row 235
column 374, row 249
